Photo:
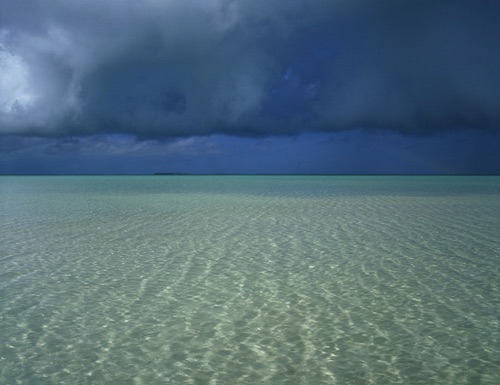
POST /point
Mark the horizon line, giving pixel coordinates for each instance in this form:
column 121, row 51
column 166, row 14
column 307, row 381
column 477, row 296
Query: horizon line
column 243, row 174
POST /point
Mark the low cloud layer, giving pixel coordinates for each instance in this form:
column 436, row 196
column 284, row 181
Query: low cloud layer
column 247, row 67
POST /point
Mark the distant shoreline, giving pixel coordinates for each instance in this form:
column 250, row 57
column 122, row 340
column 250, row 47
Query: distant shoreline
column 258, row 174
column 171, row 173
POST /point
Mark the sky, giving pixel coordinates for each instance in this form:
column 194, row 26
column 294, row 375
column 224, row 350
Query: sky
column 250, row 86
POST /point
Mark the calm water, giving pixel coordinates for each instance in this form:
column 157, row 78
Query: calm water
column 250, row 280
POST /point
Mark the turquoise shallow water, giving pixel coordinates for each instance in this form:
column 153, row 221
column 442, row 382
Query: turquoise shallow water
column 250, row 280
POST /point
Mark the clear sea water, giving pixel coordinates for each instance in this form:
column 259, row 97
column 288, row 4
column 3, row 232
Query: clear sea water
column 249, row 280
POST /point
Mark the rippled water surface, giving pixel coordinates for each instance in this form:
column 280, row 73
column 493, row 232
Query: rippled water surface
column 250, row 280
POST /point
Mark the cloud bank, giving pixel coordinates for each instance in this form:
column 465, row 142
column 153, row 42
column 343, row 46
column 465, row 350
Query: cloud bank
column 247, row 67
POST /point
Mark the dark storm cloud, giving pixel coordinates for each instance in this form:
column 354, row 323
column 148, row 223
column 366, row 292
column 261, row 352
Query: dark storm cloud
column 247, row 67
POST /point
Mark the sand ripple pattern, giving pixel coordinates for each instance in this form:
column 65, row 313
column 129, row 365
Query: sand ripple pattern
column 250, row 280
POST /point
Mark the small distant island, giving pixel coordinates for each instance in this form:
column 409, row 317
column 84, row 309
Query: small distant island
column 171, row 173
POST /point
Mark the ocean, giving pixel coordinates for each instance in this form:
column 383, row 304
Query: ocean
column 249, row 280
